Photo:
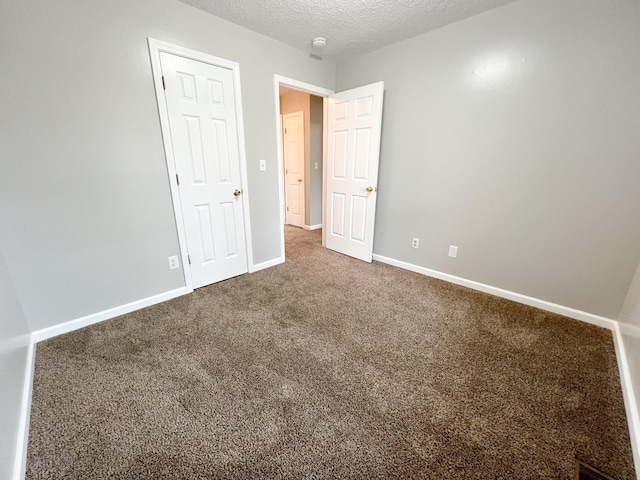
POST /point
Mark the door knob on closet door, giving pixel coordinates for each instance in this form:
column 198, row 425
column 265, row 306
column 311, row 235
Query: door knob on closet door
column 237, row 193
column 369, row 189
column 299, row 180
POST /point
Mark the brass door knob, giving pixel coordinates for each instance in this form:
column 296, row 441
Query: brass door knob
column 369, row 189
column 237, row 193
column 300, row 180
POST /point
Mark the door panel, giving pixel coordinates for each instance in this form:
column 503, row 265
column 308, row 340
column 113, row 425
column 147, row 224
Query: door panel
column 202, row 121
column 337, row 214
column 353, row 146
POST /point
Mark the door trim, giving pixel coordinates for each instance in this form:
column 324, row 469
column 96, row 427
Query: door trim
column 279, row 80
column 155, row 48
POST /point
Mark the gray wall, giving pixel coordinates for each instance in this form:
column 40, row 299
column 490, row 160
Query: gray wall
column 14, row 340
column 85, row 205
column 514, row 135
column 316, row 157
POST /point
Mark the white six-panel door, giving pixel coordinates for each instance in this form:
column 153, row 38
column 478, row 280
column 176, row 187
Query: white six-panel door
column 293, row 152
column 353, row 151
column 202, row 119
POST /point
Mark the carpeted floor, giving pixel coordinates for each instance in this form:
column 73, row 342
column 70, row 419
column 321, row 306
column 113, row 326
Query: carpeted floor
column 327, row 367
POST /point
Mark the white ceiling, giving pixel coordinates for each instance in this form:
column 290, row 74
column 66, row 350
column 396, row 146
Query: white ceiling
column 351, row 27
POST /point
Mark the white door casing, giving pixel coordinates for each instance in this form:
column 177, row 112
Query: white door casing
column 203, row 126
column 293, row 152
column 353, row 151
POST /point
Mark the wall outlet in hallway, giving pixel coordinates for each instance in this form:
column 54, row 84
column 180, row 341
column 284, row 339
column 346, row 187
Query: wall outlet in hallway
column 263, row 165
column 173, row 262
column 453, row 251
column 415, row 242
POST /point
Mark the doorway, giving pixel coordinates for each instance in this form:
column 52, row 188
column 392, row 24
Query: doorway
column 351, row 131
column 302, row 157
column 301, row 192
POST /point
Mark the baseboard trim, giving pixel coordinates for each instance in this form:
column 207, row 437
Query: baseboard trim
column 55, row 330
column 630, row 403
column 312, row 227
column 20, row 463
column 499, row 292
column 267, row 264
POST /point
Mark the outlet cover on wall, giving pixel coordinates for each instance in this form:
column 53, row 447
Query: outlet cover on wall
column 453, row 251
column 263, row 165
column 415, row 242
column 173, row 262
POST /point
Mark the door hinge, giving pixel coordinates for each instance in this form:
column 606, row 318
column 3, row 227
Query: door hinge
column 287, row 209
column 164, row 87
column 189, row 258
column 285, row 131
column 178, row 179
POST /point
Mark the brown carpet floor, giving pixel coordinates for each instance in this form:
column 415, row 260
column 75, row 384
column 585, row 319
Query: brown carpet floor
column 327, row 367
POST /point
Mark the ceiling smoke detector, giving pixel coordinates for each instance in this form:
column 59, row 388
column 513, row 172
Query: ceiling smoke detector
column 319, row 42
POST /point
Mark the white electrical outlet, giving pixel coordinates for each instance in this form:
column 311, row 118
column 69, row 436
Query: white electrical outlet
column 453, row 251
column 316, row 165
column 173, row 262
column 263, row 165
column 415, row 242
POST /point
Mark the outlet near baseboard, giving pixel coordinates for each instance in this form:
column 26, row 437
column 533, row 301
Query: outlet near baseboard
column 173, row 262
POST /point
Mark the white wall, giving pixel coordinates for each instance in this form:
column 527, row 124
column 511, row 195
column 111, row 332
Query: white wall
column 85, row 205
column 14, row 341
column 514, row 135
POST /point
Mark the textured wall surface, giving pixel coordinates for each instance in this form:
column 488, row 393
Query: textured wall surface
column 85, row 203
column 14, row 340
column 514, row 135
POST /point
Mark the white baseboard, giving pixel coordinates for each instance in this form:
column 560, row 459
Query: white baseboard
column 312, row 227
column 499, row 292
column 20, row 463
column 71, row 325
column 630, row 402
column 267, row 264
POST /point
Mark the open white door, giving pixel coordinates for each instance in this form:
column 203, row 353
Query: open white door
column 353, row 151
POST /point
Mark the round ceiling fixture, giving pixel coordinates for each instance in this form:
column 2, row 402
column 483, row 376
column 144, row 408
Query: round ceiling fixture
column 319, row 42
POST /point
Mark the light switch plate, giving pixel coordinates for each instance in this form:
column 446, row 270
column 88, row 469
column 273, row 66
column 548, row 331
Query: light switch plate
column 263, row 165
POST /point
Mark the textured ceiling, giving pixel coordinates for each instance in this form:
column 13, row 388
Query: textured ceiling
column 351, row 27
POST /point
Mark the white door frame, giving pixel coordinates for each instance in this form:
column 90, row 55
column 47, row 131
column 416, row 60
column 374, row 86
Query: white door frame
column 155, row 48
column 279, row 80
